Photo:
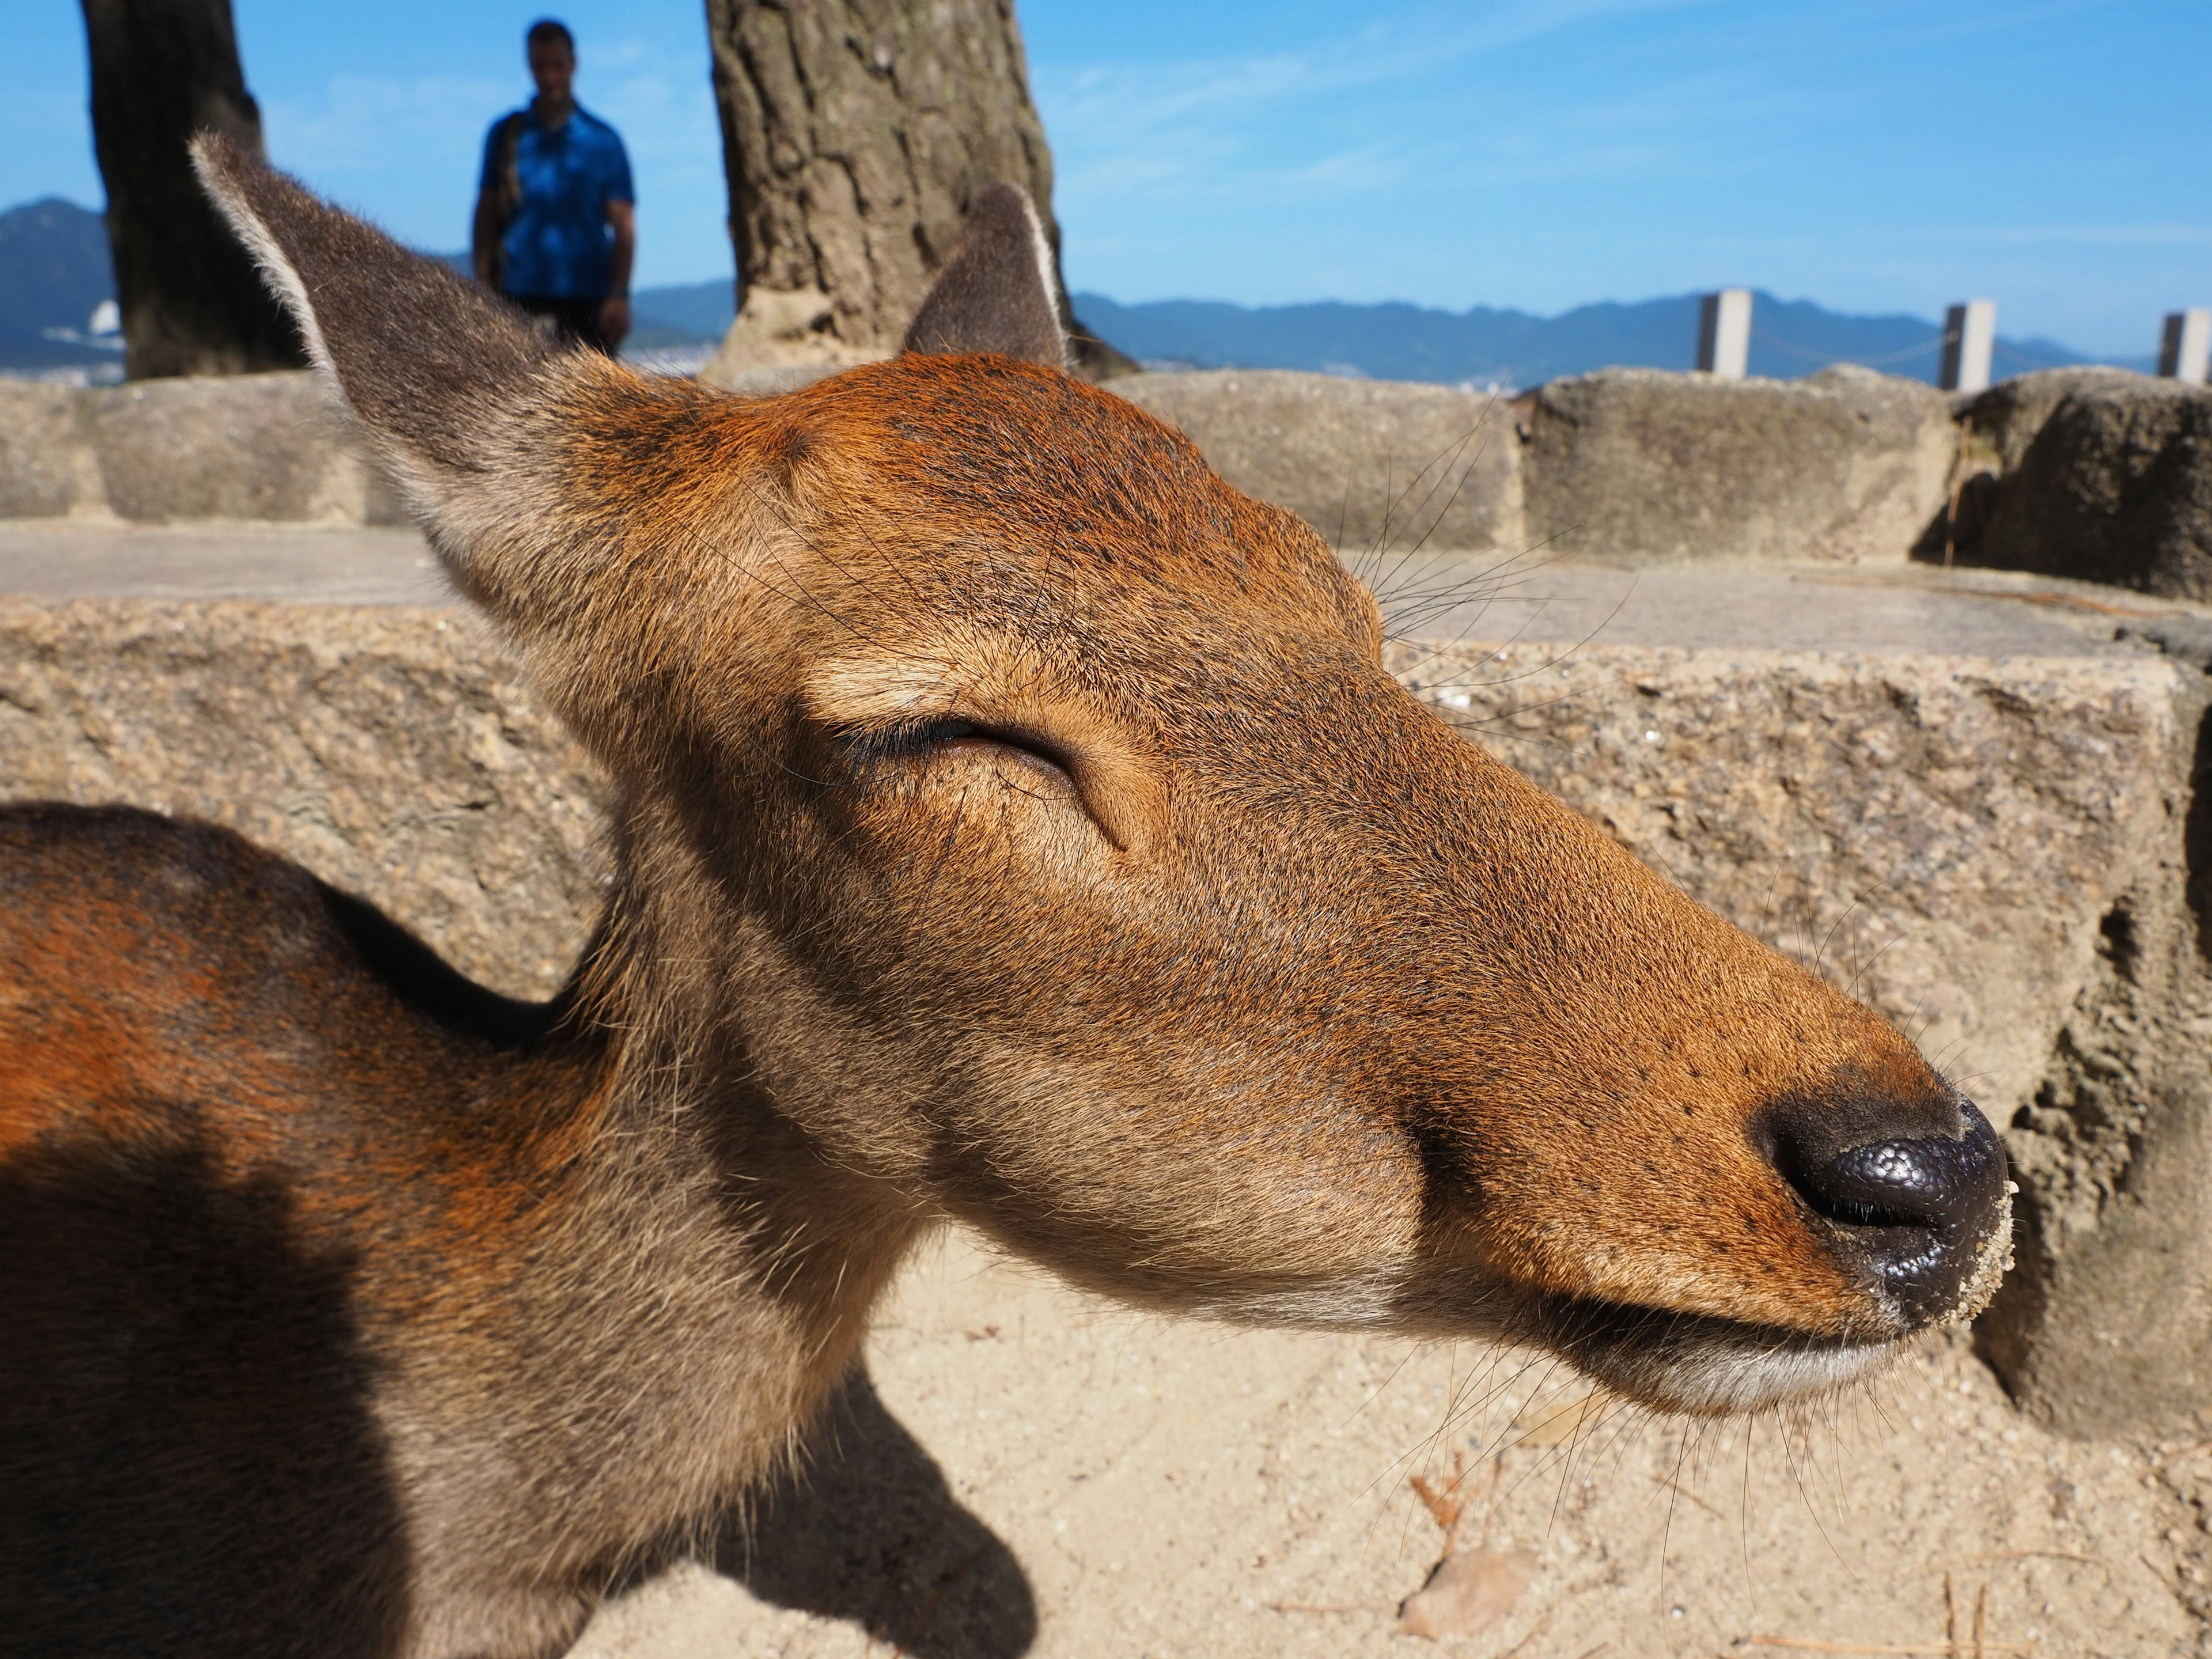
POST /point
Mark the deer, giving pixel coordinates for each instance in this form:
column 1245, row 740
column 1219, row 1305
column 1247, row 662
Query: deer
column 1012, row 826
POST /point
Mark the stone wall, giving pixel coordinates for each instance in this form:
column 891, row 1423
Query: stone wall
column 388, row 749
column 1998, row 854
column 2097, row 474
column 1846, row 466
column 1375, row 466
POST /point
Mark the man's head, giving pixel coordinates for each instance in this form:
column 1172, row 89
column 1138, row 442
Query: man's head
column 552, row 53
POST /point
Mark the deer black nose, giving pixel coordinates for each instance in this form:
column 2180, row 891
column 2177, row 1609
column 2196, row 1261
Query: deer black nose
column 1914, row 1210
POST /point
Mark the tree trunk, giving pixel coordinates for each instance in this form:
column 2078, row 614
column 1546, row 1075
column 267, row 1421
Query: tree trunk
column 191, row 302
column 853, row 133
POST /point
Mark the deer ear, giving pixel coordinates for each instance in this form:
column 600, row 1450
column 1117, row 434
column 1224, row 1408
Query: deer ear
column 542, row 475
column 476, row 416
column 418, row 354
column 997, row 292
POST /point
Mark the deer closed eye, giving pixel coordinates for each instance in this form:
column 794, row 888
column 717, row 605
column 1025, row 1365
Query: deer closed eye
column 948, row 739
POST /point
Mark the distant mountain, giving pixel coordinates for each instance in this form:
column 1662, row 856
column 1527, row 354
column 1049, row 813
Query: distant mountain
column 54, row 273
column 692, row 313
column 1485, row 347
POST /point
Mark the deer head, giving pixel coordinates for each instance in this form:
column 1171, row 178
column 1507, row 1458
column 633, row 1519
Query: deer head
column 1026, row 817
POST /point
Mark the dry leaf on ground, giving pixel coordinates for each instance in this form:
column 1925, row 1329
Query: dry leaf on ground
column 1467, row 1592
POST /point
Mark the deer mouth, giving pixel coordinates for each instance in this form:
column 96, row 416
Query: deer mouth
column 1710, row 1364
column 1702, row 1364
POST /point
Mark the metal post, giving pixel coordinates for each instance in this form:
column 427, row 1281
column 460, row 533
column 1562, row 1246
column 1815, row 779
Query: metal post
column 1970, row 334
column 2184, row 352
column 1724, row 333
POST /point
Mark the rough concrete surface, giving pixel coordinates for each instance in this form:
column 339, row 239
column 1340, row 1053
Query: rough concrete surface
column 338, row 565
column 255, row 447
column 1981, row 846
column 1845, row 465
column 2116, row 486
column 2001, row 423
column 1751, row 605
column 1372, row 464
column 248, row 447
column 47, row 468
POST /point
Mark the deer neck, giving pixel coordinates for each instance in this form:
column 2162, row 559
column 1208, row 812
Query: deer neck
column 693, row 1273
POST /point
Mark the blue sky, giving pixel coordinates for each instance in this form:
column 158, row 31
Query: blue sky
column 1871, row 154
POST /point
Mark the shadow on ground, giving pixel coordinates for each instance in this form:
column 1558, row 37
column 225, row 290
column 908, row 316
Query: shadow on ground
column 871, row 1533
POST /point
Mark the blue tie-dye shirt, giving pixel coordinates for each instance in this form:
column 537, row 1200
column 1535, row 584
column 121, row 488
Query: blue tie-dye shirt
column 559, row 244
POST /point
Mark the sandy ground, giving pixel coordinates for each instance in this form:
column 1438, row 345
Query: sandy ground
column 1033, row 1471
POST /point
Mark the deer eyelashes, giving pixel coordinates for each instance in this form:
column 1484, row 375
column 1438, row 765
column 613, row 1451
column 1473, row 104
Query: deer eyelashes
column 929, row 739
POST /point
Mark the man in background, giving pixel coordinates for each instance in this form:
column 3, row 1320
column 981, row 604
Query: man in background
column 556, row 228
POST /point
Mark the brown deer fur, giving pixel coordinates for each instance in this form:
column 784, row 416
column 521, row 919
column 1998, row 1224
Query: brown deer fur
column 1014, row 824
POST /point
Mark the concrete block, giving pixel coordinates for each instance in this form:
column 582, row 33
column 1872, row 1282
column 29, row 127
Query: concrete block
column 47, row 468
column 1371, row 464
column 243, row 446
column 1996, row 427
column 1970, row 339
column 2098, row 475
column 1636, row 464
column 2002, row 421
column 388, row 749
column 2184, row 347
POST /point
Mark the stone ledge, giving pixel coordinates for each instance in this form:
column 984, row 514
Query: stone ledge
column 1846, row 466
column 391, row 749
column 2095, row 474
column 1372, row 464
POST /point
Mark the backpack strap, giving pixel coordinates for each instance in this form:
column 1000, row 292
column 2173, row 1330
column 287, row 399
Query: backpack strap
column 501, row 198
column 510, row 156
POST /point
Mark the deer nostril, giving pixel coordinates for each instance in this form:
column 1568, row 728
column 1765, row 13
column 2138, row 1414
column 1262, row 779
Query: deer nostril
column 1916, row 1210
column 1894, row 1183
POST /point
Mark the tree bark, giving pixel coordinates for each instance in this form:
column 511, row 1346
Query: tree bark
column 191, row 302
column 854, row 133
